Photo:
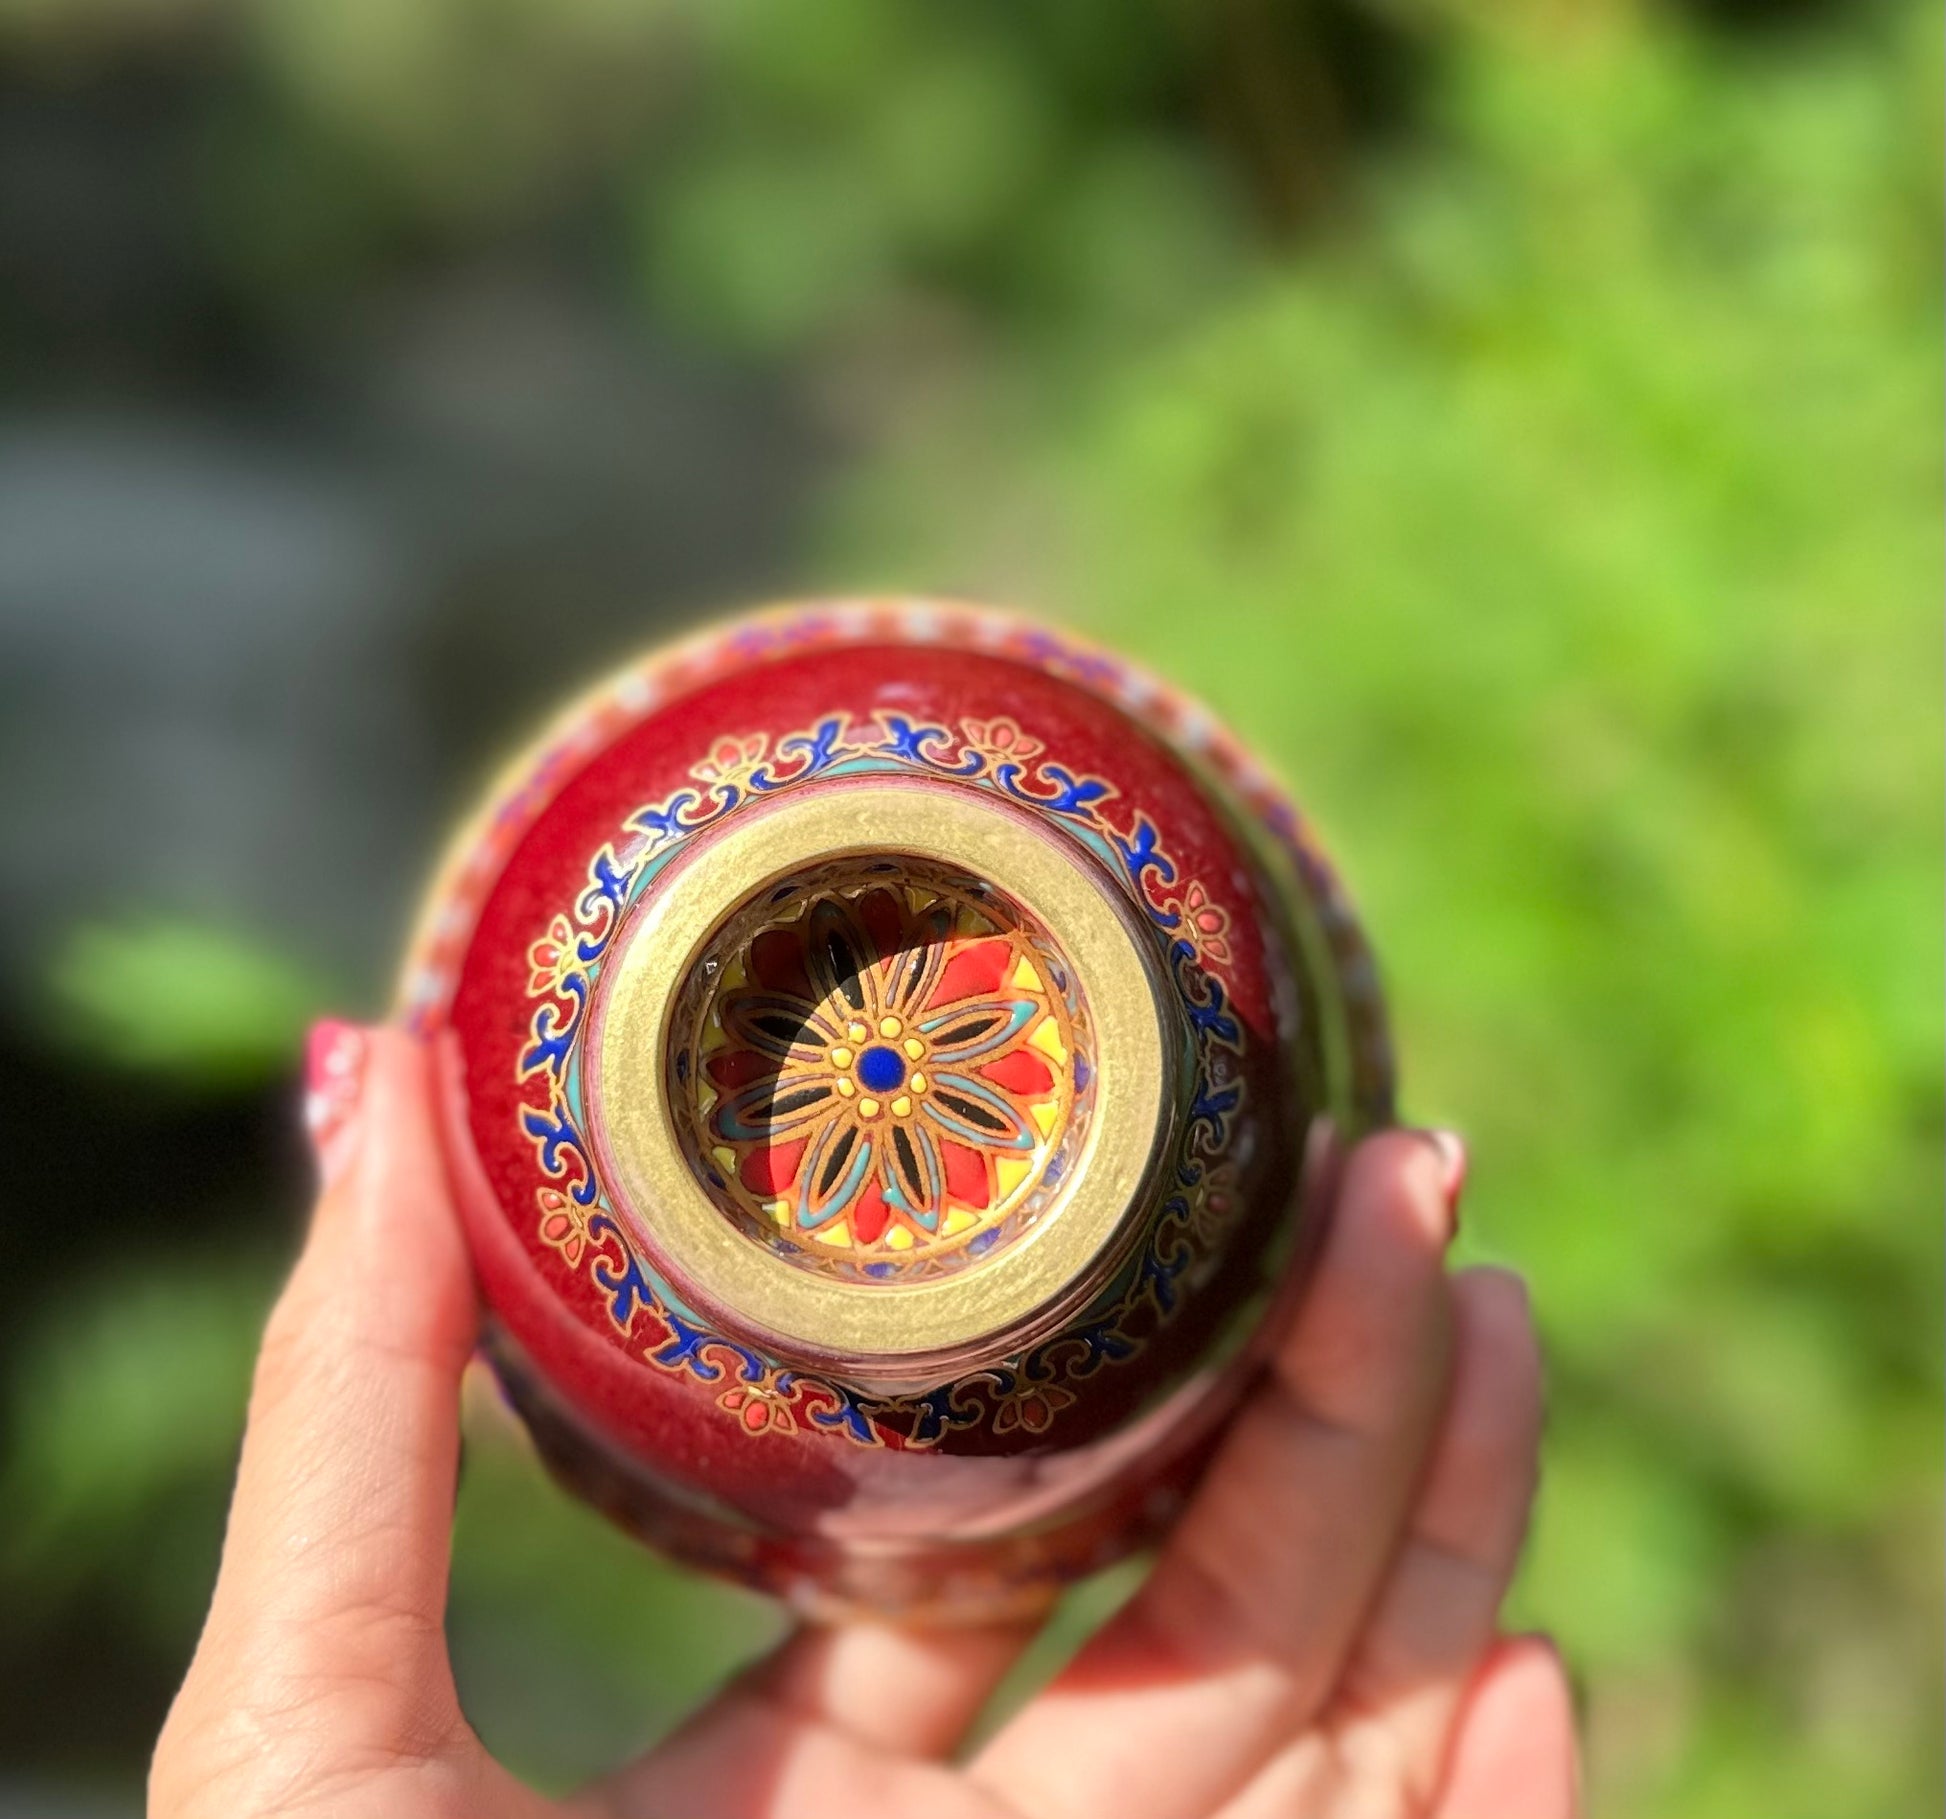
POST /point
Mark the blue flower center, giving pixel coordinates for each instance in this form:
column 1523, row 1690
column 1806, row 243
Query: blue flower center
column 880, row 1069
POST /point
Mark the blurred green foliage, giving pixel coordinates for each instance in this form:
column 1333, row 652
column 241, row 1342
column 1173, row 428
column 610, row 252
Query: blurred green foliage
column 1569, row 531
column 124, row 1428
column 1520, row 421
column 203, row 1006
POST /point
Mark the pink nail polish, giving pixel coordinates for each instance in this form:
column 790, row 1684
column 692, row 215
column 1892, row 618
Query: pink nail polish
column 1453, row 1159
column 334, row 1072
column 1322, row 1166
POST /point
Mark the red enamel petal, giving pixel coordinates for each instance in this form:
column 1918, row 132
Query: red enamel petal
column 968, row 1178
column 739, row 1066
column 770, row 1170
column 777, row 958
column 974, row 972
column 1021, row 1072
column 870, row 1215
column 879, row 911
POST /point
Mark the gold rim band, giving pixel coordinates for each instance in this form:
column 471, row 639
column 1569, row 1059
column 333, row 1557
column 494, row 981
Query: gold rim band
column 872, row 1326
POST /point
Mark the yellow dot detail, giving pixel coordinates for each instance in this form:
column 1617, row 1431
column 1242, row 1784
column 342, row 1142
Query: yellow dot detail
column 914, row 1048
column 868, row 1108
column 918, row 1083
column 902, row 1107
column 846, row 1089
column 857, row 1031
column 889, row 1026
column 841, row 1056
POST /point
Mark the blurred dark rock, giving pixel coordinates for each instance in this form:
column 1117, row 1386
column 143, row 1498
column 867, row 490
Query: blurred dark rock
column 252, row 663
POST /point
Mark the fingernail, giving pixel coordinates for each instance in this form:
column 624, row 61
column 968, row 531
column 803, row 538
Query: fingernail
column 1452, row 1158
column 334, row 1073
column 1318, row 1170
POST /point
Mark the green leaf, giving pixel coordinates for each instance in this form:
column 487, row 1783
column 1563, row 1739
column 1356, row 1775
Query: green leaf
column 200, row 1005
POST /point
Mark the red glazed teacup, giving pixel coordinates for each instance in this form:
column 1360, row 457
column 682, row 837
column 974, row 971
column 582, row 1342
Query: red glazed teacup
column 881, row 1046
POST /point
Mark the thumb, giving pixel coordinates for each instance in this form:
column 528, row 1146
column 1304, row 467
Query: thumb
column 332, row 1590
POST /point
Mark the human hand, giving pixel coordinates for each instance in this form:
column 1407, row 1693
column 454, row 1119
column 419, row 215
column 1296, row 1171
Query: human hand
column 1320, row 1636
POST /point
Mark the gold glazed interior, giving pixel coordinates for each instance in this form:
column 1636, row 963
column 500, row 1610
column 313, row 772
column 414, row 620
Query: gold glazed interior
column 882, row 1075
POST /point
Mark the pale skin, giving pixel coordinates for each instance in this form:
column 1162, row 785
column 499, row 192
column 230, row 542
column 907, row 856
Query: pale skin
column 1320, row 1639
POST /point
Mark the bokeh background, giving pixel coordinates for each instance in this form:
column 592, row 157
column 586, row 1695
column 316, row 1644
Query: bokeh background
column 1518, row 416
